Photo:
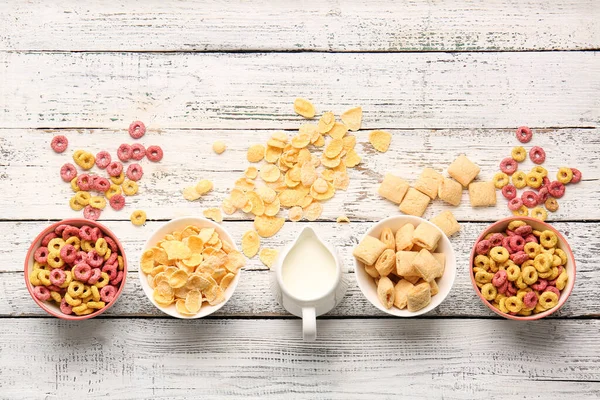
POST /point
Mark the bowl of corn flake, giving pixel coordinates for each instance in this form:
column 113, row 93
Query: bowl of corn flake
column 190, row 267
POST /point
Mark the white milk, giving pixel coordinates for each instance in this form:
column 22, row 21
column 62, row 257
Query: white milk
column 309, row 269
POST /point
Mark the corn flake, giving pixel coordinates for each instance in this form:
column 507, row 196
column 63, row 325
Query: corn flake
column 338, row 131
column 295, row 213
column 270, row 173
column 342, row 219
column 250, row 243
column 334, row 148
column 352, row 158
column 380, row 140
column 176, row 250
column 267, row 226
column 255, row 153
column 268, row 256
column 304, row 108
column 251, row 172
column 352, row 118
column 313, row 211
column 214, row 214
column 190, row 193
column 326, row 122
column 219, row 147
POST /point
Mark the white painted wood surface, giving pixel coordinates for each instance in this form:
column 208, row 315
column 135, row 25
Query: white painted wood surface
column 442, row 77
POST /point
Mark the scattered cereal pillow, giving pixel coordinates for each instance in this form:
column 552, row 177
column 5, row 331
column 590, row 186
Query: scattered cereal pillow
column 369, row 250
column 482, row 194
column 414, row 203
column 446, row 222
column 450, row 191
column 463, row 170
column 393, row 188
column 426, row 236
column 429, row 182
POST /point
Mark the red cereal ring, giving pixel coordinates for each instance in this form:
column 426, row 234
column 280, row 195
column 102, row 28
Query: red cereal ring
column 48, row 238
column 552, row 289
column 537, row 155
column 91, row 213
column 70, row 231
column 519, row 257
column 103, row 158
column 482, row 247
column 111, row 244
column 96, row 234
column 499, row 278
column 41, row 255
column 531, row 238
column 58, row 276
column 117, row 202
column 82, row 272
column 509, row 232
column 515, row 204
column 124, row 152
column 540, row 285
column 80, row 257
column 65, row 308
column 96, row 274
column 137, row 129
column 509, row 192
column 517, row 243
column 114, row 168
column 154, row 153
column 543, row 194
column 511, row 289
column 68, row 253
column 59, row 143
column 496, row 239
column 101, row 184
column 556, row 189
column 524, row 134
column 108, row 293
column 530, row 199
column 118, row 279
column 506, row 242
column 530, row 300
column 112, row 258
column 94, row 259
column 504, row 287
column 111, row 270
column 524, row 230
column 85, row 232
column 138, row 151
column 68, row 172
column 84, row 181
column 41, row 293
column 508, row 166
column 59, row 229
column 135, row 172
column 576, row 175
column 545, row 181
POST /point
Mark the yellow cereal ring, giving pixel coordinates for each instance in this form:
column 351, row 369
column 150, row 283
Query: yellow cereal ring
column 56, row 296
column 75, row 205
column 513, row 272
column 37, row 265
column 75, row 289
column 98, row 202
column 553, row 275
column 562, row 255
column 548, row 300
column 103, row 281
column 74, row 186
column 493, row 266
column 519, row 179
column 519, row 283
column 34, row 279
column 542, row 262
column 483, row 277
column 498, row 297
column 564, row 175
column 96, row 304
column 534, row 180
column 538, row 169
column 95, row 293
column 525, row 312
column 138, row 217
column 521, row 212
column 499, row 254
column 117, row 180
column 83, row 197
column 68, row 280
column 73, row 302
column 502, row 305
column 549, row 251
column 87, row 299
column 532, row 249
column 80, row 309
column 112, row 190
column 107, row 254
column 84, row 159
column 513, row 304
column 74, row 241
column 120, row 261
column 500, row 180
column 539, row 213
column 54, row 260
column 548, row 239
column 530, row 275
column 130, row 187
column 489, row 291
column 562, row 279
column 477, row 269
column 87, row 292
column 86, row 246
column 101, row 246
column 517, row 223
column 518, row 154
column 55, row 244
column 482, row 262
column 538, row 308
column 556, row 261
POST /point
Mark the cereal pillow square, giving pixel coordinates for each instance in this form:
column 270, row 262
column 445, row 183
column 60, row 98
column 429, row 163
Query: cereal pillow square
column 414, row 203
column 482, row 194
column 463, row 170
column 428, row 182
column 393, row 188
column 450, row 191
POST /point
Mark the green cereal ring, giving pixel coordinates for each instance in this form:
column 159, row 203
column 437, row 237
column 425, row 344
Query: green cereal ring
column 500, row 180
column 489, row 291
column 538, row 169
column 539, row 213
column 564, row 175
column 519, row 153
column 548, row 239
column 499, row 254
column 542, row 263
column 513, row 272
column 521, row 211
column 530, row 275
column 534, row 180
column 482, row 262
column 519, row 179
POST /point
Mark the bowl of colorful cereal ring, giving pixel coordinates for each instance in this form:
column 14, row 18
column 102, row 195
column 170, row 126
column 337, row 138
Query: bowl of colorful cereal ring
column 522, row 268
column 190, row 267
column 75, row 269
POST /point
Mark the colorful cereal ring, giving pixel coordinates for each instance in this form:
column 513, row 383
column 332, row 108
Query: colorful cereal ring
column 108, row 293
column 117, row 202
column 68, row 253
column 154, row 153
column 537, row 155
column 124, row 152
column 138, row 151
column 576, row 175
column 101, row 184
column 59, row 143
column 41, row 255
column 508, row 166
column 58, row 277
column 529, row 198
column 114, row 168
column 509, row 192
column 515, row 204
column 135, row 172
column 103, row 158
column 556, row 189
column 41, row 293
column 137, row 129
column 91, row 213
column 524, row 134
column 68, row 172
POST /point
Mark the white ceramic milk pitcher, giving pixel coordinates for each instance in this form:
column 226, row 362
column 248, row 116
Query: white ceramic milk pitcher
column 309, row 279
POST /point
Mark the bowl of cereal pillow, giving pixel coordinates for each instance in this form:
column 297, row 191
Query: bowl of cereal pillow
column 75, row 269
column 405, row 265
column 190, row 267
column 522, row 268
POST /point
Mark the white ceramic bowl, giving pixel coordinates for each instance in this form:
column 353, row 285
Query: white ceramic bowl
column 179, row 224
column 367, row 284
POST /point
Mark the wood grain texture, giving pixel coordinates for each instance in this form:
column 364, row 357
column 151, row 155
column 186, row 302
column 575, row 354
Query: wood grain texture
column 189, row 158
column 357, row 25
column 247, row 91
column 253, row 297
column 418, row 359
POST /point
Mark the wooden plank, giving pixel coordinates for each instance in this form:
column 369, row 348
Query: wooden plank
column 253, row 296
column 410, row 151
column 356, row 25
column 418, row 359
column 246, row 91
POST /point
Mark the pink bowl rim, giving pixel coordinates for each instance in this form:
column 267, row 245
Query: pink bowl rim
column 566, row 292
column 40, row 236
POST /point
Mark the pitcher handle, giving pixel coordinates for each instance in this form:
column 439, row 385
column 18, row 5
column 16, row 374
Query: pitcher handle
column 309, row 324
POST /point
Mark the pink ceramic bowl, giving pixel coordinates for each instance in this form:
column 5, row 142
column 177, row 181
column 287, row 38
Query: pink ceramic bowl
column 51, row 307
column 501, row 226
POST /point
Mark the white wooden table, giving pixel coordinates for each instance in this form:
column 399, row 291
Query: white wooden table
column 443, row 77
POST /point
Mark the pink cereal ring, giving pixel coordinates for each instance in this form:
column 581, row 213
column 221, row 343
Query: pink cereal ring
column 135, row 172
column 511, row 288
column 114, row 168
column 517, row 243
column 103, row 158
column 553, row 290
column 101, row 184
column 96, row 234
column 530, row 300
column 509, row 233
column 556, row 189
column 482, row 247
column 154, row 153
column 508, row 166
column 509, row 192
column 91, row 213
column 524, row 134
column 95, row 276
column 85, row 232
column 111, row 270
column 117, row 202
column 94, row 259
column 68, row 172
column 41, row 255
column 59, row 229
column 502, row 288
column 137, row 129
column 112, row 258
column 576, row 175
column 499, row 278
column 54, row 288
column 540, row 285
column 138, row 151
column 124, row 152
column 84, row 181
column 70, row 231
column 519, row 257
column 529, row 198
column 58, row 276
column 496, row 239
column 48, row 238
column 108, row 293
column 531, row 238
column 65, row 308
column 118, row 279
column 506, row 243
column 546, row 181
column 537, row 155
column 515, row 204
column 543, row 195
column 80, row 257
column 111, row 244
column 59, row 143
column 68, row 253
column 82, row 272
column 41, row 293
column 524, row 230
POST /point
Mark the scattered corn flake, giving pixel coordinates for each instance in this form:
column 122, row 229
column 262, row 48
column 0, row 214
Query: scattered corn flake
column 251, row 172
column 304, row 108
column 380, row 140
column 342, row 219
column 323, row 196
column 341, row 180
column 352, row 118
column 268, row 256
column 267, row 226
column 272, row 154
column 320, row 142
column 308, row 129
column 214, row 214
column 352, row 158
column 295, row 213
column 334, row 148
column 204, row 186
column 250, row 243
column 270, row 173
column 338, row 131
column 313, row 211
column 256, row 202
column 326, row 122
column 271, row 209
column 227, row 206
column 238, row 198
column 300, row 141
column 219, row 147
column 281, row 136
column 255, row 153
column 320, row 185
column 349, row 142
column 190, row 193
column 308, row 174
